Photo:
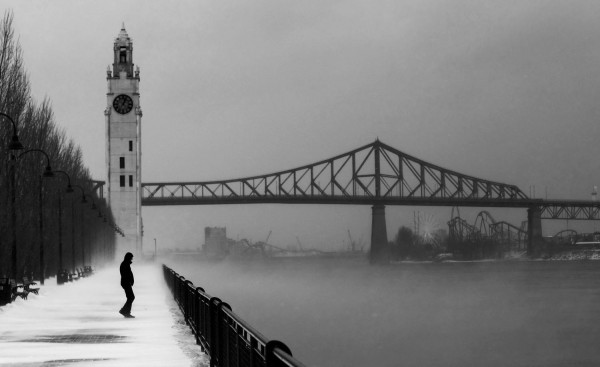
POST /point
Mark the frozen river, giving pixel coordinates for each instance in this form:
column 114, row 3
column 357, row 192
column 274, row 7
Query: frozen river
column 343, row 312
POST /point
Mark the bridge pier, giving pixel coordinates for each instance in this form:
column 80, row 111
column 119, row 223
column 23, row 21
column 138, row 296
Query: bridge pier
column 534, row 231
column 379, row 242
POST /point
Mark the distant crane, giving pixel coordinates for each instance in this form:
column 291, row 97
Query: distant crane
column 262, row 245
column 299, row 243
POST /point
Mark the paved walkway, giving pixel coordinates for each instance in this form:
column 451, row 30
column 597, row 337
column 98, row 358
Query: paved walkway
column 78, row 324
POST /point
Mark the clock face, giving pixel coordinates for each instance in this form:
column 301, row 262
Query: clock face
column 123, row 104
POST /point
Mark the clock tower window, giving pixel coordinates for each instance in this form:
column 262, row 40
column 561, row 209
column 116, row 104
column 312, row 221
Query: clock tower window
column 123, row 55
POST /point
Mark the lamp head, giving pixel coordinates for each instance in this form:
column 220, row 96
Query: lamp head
column 69, row 189
column 48, row 172
column 15, row 144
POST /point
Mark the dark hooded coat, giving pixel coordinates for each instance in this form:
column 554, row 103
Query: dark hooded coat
column 125, row 269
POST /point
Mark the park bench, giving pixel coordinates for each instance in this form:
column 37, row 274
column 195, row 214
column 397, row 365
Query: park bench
column 15, row 290
column 27, row 286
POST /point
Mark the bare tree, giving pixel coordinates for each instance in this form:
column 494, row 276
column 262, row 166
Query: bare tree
column 38, row 130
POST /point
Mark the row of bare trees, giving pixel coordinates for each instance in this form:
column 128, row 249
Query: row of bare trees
column 46, row 216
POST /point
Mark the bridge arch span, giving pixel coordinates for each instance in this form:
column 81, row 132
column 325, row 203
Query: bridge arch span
column 374, row 174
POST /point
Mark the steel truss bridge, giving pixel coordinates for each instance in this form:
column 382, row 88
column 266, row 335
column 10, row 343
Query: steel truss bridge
column 375, row 174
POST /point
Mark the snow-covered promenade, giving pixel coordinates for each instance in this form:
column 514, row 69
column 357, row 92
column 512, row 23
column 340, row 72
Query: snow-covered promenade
column 78, row 324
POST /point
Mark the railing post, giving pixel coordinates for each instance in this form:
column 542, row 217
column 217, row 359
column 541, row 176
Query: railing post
column 224, row 347
column 197, row 313
column 180, row 295
column 214, row 331
column 187, row 286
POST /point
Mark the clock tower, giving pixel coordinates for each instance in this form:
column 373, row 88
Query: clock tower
column 123, row 117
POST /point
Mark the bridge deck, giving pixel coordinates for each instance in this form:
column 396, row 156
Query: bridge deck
column 77, row 324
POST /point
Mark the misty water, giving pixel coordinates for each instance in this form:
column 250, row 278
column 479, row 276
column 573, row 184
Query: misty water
column 344, row 312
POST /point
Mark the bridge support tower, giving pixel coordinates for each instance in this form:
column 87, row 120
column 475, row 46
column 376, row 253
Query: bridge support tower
column 379, row 253
column 534, row 231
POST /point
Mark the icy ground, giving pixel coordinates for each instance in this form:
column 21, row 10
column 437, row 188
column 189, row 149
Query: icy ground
column 78, row 324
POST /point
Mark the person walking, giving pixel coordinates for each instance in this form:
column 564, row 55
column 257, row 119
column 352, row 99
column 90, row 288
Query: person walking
column 127, row 284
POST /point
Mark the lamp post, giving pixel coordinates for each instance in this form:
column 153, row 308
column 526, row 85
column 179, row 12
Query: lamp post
column 72, row 238
column 47, row 173
column 99, row 238
column 83, row 201
column 60, row 277
column 94, row 207
column 15, row 144
column 13, row 216
column 104, row 237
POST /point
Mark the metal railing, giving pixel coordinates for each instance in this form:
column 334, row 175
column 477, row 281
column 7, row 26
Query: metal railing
column 223, row 335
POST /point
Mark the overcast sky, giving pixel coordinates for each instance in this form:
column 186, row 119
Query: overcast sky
column 502, row 90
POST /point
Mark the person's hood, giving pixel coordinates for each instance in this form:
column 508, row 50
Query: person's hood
column 128, row 257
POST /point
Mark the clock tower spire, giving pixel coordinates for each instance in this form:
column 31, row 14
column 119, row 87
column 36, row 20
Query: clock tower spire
column 123, row 54
column 123, row 117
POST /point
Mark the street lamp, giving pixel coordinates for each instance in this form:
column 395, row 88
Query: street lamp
column 83, row 230
column 69, row 187
column 48, row 170
column 60, row 277
column 15, row 144
column 83, row 201
column 47, row 174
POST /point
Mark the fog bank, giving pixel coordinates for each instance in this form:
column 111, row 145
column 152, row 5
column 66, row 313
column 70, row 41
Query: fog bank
column 342, row 312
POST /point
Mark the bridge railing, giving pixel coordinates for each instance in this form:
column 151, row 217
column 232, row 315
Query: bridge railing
column 223, row 335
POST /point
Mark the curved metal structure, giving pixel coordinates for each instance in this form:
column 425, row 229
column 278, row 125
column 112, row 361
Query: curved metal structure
column 485, row 227
column 514, row 238
column 374, row 174
column 483, row 222
column 460, row 230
